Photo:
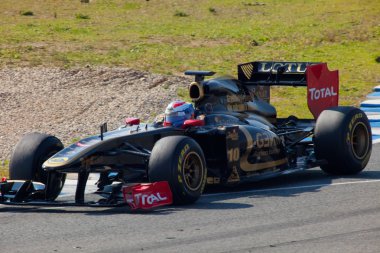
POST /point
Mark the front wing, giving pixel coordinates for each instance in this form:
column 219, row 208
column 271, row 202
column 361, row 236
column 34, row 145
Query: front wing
column 137, row 196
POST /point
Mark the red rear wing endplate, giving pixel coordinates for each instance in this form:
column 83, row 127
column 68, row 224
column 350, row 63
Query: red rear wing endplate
column 322, row 88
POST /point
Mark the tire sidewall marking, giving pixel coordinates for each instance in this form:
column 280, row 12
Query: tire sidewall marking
column 180, row 166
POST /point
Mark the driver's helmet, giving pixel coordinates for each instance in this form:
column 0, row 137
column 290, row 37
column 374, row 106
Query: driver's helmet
column 177, row 112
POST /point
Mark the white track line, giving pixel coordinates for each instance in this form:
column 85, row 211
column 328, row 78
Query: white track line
column 70, row 187
column 291, row 188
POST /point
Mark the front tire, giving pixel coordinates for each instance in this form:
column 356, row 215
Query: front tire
column 180, row 161
column 27, row 159
column 343, row 138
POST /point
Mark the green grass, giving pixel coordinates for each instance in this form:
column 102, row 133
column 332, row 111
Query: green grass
column 170, row 36
column 4, row 168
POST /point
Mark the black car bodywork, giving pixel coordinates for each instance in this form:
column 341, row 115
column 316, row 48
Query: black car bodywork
column 235, row 137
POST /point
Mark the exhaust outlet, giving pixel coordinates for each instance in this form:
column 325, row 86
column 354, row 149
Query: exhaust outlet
column 196, row 91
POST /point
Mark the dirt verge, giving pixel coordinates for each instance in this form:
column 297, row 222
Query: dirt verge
column 72, row 103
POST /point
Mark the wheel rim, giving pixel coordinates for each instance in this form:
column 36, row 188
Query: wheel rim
column 193, row 171
column 360, row 140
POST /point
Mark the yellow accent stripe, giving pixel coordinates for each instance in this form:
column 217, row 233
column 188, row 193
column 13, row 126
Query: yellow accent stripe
column 259, row 166
column 247, row 166
column 244, row 164
column 247, row 70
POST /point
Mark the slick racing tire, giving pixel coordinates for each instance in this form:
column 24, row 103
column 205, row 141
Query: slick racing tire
column 179, row 160
column 27, row 159
column 343, row 138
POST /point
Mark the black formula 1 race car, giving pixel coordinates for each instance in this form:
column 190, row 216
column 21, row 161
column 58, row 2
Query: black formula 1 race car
column 234, row 137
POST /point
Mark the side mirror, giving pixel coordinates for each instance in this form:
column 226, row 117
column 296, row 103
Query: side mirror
column 192, row 123
column 131, row 121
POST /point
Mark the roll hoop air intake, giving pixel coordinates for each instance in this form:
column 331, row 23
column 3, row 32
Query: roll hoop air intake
column 196, row 89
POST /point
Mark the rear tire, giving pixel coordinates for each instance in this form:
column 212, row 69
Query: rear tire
column 27, row 159
column 179, row 160
column 343, row 138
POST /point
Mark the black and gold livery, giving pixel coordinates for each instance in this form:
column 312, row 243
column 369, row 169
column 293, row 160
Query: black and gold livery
column 240, row 139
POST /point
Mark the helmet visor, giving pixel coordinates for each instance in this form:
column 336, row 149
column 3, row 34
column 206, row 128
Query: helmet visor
column 176, row 118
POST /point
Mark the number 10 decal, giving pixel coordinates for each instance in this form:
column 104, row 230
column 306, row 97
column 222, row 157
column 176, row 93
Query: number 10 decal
column 233, row 155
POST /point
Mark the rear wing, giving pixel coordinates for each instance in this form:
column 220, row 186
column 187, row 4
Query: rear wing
column 322, row 84
column 274, row 73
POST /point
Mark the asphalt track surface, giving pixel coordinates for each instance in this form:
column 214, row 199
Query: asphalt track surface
column 304, row 212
